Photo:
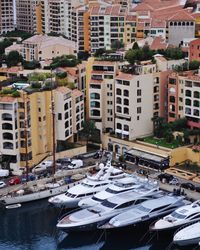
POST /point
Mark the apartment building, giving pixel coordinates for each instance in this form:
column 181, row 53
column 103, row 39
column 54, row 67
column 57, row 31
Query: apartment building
column 43, row 47
column 26, row 122
column 184, row 98
column 101, row 94
column 6, row 16
column 26, row 15
column 194, row 50
column 109, row 24
column 133, row 105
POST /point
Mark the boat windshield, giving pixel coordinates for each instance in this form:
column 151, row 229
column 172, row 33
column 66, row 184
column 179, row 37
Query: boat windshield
column 111, row 191
column 87, row 185
column 118, row 184
column 96, row 199
column 177, row 215
column 70, row 195
column 108, row 204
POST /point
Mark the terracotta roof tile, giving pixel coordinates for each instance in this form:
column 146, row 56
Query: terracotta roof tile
column 7, row 99
column 124, row 76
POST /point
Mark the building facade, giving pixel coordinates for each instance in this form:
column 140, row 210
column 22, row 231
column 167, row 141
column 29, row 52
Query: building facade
column 6, row 16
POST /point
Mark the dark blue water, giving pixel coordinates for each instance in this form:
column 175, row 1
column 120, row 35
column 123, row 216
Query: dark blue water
column 33, row 227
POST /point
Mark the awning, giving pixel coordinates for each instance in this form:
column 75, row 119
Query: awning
column 146, row 156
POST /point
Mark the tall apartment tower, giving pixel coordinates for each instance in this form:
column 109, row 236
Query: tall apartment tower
column 6, row 16
column 26, row 15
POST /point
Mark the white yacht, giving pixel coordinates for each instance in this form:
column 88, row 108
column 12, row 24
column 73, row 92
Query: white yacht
column 88, row 187
column 120, row 186
column 90, row 218
column 190, row 235
column 145, row 211
column 178, row 218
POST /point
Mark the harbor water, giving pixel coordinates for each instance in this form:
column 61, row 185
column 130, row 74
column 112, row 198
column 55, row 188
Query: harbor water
column 33, row 227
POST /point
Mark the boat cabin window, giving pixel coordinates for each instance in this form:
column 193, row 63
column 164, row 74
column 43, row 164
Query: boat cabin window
column 111, row 191
column 108, row 204
column 177, row 215
column 118, row 184
column 126, row 204
column 139, row 201
column 86, row 184
column 144, row 209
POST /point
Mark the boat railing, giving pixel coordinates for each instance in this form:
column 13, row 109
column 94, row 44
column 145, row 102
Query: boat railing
column 186, row 225
column 69, row 212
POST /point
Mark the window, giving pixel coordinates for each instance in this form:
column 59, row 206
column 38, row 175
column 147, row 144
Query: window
column 139, row 100
column 138, row 118
column 119, row 109
column 139, row 110
column 126, row 111
column 138, row 84
column 119, row 100
column 126, row 101
column 126, row 128
column 188, row 93
column 66, row 106
column 39, row 119
column 94, row 96
column 126, row 92
column 59, row 116
column 172, row 99
column 139, row 92
column 119, row 126
column 119, row 92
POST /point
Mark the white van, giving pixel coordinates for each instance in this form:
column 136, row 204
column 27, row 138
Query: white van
column 75, row 164
column 4, row 172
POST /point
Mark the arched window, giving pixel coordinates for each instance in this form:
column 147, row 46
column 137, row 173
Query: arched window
column 95, row 104
column 179, row 23
column 188, row 93
column 7, row 126
column 175, row 23
column 196, row 94
column 66, row 133
column 119, row 109
column 6, row 117
column 183, row 23
column 126, row 92
column 126, row 127
column 77, row 109
column 188, row 102
column 95, row 112
column 126, row 101
column 66, row 115
column 196, row 112
column 117, row 149
column 66, row 106
column 126, row 111
column 119, row 92
column 7, row 136
column 95, row 96
column 171, row 23
column 119, row 100
column 8, row 145
column 187, row 23
column 119, row 126
column 66, row 124
column 172, row 99
column 188, row 111
column 196, row 103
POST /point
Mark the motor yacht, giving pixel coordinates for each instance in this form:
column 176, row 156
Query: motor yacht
column 190, row 235
column 120, row 186
column 145, row 211
column 88, row 187
column 181, row 216
column 90, row 218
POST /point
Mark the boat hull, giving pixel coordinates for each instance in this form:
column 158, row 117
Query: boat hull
column 187, row 242
column 9, row 200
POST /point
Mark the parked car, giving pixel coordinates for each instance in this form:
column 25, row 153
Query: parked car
column 141, row 171
column 31, row 177
column 75, row 164
column 166, row 176
column 2, row 184
column 39, row 169
column 15, row 180
column 174, row 181
column 188, row 185
column 63, row 162
column 4, row 172
column 47, row 164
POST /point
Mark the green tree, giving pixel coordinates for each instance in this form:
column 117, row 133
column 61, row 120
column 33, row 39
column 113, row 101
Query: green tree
column 99, row 52
column 135, row 46
column 89, row 130
column 13, row 58
column 158, row 123
column 117, row 44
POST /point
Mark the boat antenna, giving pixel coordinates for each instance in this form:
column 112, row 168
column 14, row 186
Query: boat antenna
column 53, row 126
